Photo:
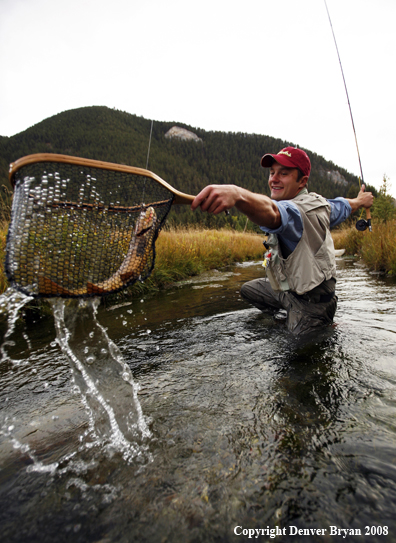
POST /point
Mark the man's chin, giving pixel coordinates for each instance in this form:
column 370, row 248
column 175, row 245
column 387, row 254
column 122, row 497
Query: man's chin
column 276, row 194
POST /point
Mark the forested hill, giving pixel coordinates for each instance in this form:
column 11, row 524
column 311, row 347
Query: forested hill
column 106, row 134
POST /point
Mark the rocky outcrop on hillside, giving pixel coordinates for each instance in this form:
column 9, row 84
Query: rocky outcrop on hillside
column 115, row 136
column 335, row 177
column 181, row 134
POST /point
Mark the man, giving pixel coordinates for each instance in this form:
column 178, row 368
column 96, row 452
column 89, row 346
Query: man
column 300, row 258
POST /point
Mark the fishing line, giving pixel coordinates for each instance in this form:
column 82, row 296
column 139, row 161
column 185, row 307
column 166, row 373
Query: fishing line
column 361, row 224
column 149, row 145
column 346, row 91
column 147, row 161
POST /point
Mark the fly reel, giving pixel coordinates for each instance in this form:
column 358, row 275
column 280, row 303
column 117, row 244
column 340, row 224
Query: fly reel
column 363, row 224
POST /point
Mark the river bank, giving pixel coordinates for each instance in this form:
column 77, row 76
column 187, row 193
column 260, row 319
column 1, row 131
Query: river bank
column 186, row 252
column 377, row 249
column 183, row 253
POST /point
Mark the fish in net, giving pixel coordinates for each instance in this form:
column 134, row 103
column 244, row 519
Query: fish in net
column 81, row 227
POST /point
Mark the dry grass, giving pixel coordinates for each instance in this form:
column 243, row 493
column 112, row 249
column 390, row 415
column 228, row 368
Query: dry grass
column 185, row 252
column 5, row 215
column 3, row 238
column 214, row 247
column 349, row 239
column 377, row 248
column 182, row 253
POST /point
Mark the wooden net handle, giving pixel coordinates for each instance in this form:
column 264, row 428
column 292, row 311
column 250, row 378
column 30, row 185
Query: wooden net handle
column 180, row 197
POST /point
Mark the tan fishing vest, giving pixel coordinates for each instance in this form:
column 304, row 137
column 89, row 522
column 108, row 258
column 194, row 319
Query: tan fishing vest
column 313, row 260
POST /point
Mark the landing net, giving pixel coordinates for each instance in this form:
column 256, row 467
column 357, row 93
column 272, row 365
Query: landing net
column 79, row 231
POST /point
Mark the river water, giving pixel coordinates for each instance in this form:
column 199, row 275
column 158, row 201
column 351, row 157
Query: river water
column 188, row 416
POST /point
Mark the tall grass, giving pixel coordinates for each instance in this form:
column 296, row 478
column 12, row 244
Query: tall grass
column 377, row 248
column 3, row 238
column 5, row 215
column 181, row 253
column 349, row 239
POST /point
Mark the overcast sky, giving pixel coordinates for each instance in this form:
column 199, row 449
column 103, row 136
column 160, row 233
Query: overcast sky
column 256, row 66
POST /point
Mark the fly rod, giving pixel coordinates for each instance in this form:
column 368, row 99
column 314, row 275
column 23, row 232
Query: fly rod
column 361, row 224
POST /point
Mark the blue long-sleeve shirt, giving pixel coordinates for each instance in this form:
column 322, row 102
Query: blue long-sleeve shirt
column 291, row 228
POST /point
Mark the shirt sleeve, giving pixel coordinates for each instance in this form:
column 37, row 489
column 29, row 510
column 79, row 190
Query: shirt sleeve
column 291, row 228
column 340, row 211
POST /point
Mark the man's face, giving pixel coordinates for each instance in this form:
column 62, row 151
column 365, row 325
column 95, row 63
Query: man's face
column 283, row 182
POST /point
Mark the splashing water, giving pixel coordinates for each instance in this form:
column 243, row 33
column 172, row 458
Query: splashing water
column 36, row 465
column 116, row 420
column 11, row 303
column 250, row 426
column 101, row 377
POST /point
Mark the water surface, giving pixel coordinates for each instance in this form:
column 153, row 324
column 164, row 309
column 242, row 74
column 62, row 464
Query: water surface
column 232, row 421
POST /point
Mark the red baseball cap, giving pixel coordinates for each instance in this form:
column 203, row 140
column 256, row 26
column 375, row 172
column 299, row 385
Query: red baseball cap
column 291, row 157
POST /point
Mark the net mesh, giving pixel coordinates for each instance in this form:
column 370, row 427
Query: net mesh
column 79, row 231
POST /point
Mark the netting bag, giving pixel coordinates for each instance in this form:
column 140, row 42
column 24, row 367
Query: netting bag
column 82, row 228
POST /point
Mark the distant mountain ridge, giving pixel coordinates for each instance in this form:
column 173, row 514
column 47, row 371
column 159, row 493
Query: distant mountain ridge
column 101, row 133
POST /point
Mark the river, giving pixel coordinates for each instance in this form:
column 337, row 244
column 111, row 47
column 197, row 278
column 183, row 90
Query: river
column 188, row 416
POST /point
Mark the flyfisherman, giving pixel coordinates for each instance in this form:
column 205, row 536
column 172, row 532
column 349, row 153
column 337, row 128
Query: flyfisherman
column 300, row 257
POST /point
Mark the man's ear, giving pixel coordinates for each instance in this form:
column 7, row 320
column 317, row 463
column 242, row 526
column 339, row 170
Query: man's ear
column 303, row 182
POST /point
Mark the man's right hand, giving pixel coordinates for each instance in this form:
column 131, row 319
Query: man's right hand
column 363, row 199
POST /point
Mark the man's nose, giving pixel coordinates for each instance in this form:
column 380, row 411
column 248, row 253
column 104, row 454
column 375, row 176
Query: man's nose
column 274, row 177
